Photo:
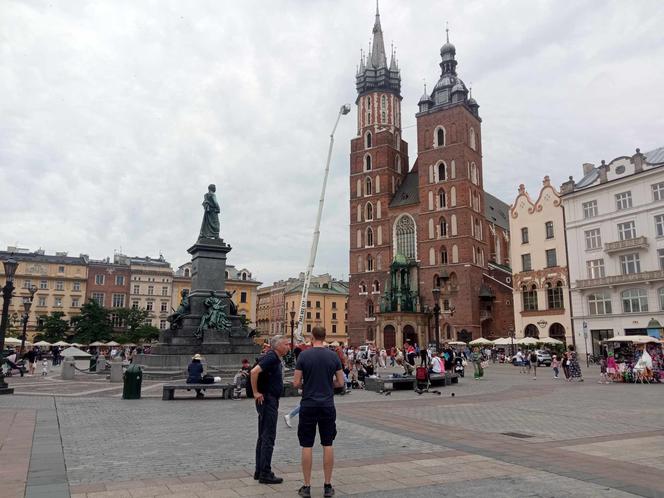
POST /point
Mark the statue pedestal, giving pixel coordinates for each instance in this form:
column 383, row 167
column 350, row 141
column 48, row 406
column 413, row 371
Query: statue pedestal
column 222, row 351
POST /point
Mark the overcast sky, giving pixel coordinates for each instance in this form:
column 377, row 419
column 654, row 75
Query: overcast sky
column 116, row 115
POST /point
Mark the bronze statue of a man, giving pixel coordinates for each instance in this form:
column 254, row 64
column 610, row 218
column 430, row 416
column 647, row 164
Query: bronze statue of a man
column 210, row 225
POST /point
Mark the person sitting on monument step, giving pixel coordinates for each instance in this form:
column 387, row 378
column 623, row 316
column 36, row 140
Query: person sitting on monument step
column 195, row 373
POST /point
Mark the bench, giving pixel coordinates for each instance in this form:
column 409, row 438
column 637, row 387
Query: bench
column 379, row 384
column 169, row 389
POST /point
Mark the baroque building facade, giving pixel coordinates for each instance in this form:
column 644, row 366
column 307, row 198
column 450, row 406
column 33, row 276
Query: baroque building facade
column 541, row 280
column 614, row 220
column 425, row 227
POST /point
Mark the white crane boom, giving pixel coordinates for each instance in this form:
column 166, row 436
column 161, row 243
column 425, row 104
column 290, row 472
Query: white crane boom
column 345, row 109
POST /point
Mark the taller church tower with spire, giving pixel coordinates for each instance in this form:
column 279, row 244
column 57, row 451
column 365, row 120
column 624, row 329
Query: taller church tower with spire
column 426, row 234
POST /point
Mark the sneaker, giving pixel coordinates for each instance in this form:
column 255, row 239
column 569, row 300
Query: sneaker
column 305, row 491
column 328, row 490
column 287, row 419
column 270, row 479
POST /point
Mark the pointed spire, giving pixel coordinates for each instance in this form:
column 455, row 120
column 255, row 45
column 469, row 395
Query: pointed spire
column 393, row 62
column 378, row 58
column 447, row 31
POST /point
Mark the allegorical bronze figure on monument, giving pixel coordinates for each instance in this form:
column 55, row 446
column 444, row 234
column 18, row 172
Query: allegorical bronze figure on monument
column 175, row 319
column 210, row 225
column 214, row 316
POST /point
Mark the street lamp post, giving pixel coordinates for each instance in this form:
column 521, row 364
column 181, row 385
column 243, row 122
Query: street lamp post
column 10, row 270
column 292, row 330
column 436, row 316
column 27, row 304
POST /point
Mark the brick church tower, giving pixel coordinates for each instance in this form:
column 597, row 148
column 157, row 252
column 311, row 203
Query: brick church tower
column 413, row 230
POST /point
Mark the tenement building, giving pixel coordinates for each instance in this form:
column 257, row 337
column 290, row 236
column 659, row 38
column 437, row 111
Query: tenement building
column 59, row 282
column 429, row 226
column 615, row 237
column 541, row 281
column 108, row 284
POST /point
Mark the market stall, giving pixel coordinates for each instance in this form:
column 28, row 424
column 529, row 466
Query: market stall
column 634, row 358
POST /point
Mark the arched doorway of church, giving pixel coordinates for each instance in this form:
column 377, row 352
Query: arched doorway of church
column 409, row 334
column 557, row 331
column 531, row 331
column 389, row 337
column 464, row 336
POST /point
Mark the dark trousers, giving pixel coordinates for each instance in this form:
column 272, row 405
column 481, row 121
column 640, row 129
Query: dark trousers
column 268, row 414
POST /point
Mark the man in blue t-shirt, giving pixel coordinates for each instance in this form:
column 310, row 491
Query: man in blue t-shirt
column 319, row 371
column 267, row 383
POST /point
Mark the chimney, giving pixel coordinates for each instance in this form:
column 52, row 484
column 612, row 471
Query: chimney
column 568, row 186
column 587, row 168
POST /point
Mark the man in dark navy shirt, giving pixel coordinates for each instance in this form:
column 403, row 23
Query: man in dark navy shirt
column 267, row 384
column 319, row 370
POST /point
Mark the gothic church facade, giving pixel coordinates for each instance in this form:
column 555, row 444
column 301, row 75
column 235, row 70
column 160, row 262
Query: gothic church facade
column 424, row 234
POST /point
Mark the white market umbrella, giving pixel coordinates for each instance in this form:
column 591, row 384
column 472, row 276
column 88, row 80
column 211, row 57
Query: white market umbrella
column 61, row 343
column 528, row 341
column 76, row 344
column 112, row 344
column 480, row 342
column 13, row 341
column 456, row 343
column 43, row 343
column 636, row 339
column 504, row 341
column 551, row 340
column 97, row 344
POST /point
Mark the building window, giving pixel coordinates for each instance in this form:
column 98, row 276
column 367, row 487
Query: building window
column 308, row 315
column 367, row 140
column 661, row 299
column 58, row 302
column 134, row 304
column 137, row 289
column 334, row 328
column 369, row 237
column 634, row 301
column 441, row 199
column 440, row 137
column 42, row 301
column 593, row 239
column 375, row 287
column 150, row 290
column 624, row 200
column 98, row 297
column 164, row 291
column 243, row 297
column 554, row 295
column 441, row 172
column 317, row 315
column 77, row 286
column 626, row 230
column 370, row 308
column 149, row 306
column 630, row 263
column 524, row 235
column 60, row 285
column 369, row 212
column 525, row 262
column 473, row 144
column 367, row 163
column 309, row 327
column 75, row 302
column 599, row 304
column 659, row 225
column 551, row 259
column 308, row 304
column 548, row 226
column 334, row 305
column 61, row 269
column 660, row 257
column 383, row 109
column 405, row 235
column 117, row 301
column 595, row 268
column 658, row 191
column 43, row 284
column 590, row 209
column 529, row 298
column 370, row 263
column 162, row 324
column 119, row 280
column 368, row 188
column 443, row 256
column 99, row 279
column 164, row 306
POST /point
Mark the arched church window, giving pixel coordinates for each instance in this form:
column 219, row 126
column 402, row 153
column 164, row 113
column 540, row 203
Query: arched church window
column 370, row 263
column 442, row 200
column 383, row 109
column 367, row 163
column 369, row 237
column 368, row 108
column 368, row 140
column 473, row 145
column 443, row 255
column 405, row 236
column 442, row 227
column 442, row 176
column 369, row 213
column 440, row 136
column 368, row 190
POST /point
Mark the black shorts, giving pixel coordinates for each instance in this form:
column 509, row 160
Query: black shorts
column 325, row 417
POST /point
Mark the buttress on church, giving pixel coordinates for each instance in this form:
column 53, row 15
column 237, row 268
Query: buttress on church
column 424, row 230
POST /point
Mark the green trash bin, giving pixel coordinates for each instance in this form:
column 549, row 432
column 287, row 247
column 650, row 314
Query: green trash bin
column 133, row 376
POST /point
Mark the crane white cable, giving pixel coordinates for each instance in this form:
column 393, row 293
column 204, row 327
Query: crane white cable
column 345, row 109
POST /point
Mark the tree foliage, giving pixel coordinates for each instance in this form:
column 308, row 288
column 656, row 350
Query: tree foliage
column 53, row 328
column 92, row 324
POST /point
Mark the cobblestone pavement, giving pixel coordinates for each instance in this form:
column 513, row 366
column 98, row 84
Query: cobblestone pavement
column 568, row 439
